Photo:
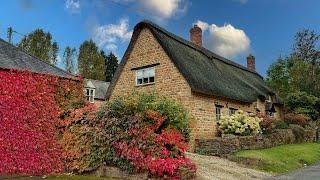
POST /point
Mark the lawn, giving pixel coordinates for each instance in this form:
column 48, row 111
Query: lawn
column 283, row 158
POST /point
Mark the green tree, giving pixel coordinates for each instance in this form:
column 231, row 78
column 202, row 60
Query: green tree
column 306, row 48
column 278, row 77
column 90, row 62
column 111, row 63
column 69, row 58
column 296, row 78
column 40, row 44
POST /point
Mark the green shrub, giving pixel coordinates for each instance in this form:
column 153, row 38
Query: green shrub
column 280, row 124
column 299, row 132
column 304, row 103
column 239, row 123
column 139, row 103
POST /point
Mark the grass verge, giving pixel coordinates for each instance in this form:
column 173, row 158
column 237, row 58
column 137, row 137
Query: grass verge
column 280, row 159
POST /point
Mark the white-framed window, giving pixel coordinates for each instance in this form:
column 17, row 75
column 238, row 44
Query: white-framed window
column 232, row 111
column 89, row 93
column 145, row 76
column 218, row 112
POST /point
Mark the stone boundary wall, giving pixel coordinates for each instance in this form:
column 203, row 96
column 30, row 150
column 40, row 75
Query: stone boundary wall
column 221, row 146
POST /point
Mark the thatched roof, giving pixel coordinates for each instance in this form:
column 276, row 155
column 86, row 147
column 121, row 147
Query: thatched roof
column 205, row 71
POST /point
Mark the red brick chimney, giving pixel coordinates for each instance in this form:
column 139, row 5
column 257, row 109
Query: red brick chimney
column 251, row 63
column 196, row 35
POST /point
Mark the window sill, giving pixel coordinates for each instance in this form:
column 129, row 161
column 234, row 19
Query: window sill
column 147, row 84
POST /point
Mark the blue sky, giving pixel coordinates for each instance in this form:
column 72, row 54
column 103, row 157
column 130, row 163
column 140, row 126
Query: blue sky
column 232, row 28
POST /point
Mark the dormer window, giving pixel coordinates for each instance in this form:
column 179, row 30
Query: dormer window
column 145, row 76
column 89, row 93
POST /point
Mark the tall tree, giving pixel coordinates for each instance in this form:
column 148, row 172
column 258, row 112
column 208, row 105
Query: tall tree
column 40, row 44
column 111, row 63
column 300, row 71
column 90, row 62
column 278, row 77
column 69, row 58
column 306, row 48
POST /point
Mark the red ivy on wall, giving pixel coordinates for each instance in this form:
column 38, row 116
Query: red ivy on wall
column 30, row 106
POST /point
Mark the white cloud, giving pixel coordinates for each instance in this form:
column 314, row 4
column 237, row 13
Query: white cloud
column 162, row 9
column 108, row 36
column 226, row 40
column 73, row 6
column 157, row 9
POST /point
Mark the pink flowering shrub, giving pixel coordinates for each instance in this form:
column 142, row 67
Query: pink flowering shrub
column 142, row 138
column 150, row 147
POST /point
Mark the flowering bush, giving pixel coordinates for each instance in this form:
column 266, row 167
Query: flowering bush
column 142, row 143
column 30, row 107
column 136, row 134
column 267, row 123
column 135, row 103
column 239, row 123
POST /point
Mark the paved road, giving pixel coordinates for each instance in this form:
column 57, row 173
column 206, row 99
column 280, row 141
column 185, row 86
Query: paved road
column 307, row 173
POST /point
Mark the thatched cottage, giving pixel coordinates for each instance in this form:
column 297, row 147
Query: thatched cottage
column 205, row 83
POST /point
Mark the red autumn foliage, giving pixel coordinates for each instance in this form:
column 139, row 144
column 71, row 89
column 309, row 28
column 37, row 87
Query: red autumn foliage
column 156, row 149
column 30, row 108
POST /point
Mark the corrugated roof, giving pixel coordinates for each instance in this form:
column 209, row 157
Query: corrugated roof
column 205, row 71
column 11, row 57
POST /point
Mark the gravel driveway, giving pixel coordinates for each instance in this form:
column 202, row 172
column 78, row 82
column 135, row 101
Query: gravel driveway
column 212, row 167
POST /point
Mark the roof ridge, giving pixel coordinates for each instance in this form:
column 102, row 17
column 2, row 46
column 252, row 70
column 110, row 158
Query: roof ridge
column 36, row 58
column 197, row 48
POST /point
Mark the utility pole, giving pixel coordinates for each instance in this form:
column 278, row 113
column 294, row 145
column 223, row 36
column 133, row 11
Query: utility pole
column 9, row 34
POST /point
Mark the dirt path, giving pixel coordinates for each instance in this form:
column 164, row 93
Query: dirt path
column 212, row 167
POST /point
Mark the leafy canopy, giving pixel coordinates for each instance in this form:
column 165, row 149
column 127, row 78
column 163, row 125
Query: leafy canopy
column 41, row 45
column 296, row 78
column 90, row 62
column 111, row 63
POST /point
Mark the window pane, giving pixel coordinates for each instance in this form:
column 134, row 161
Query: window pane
column 145, row 80
column 149, row 72
column 151, row 79
column 218, row 112
column 91, row 92
column 139, row 81
column 87, row 92
column 139, row 73
column 152, row 72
